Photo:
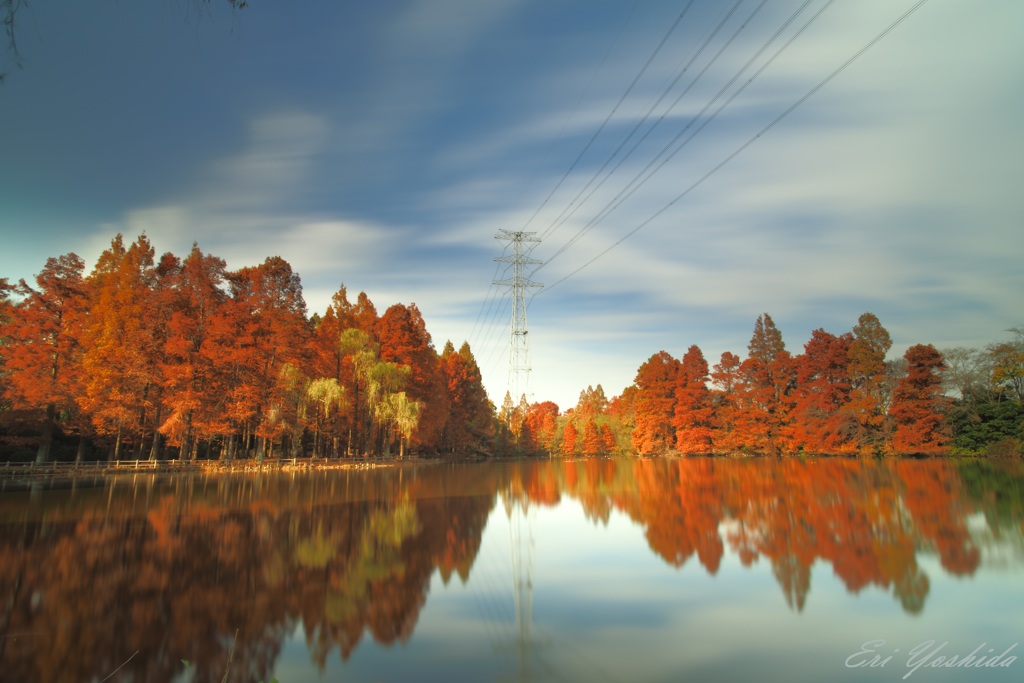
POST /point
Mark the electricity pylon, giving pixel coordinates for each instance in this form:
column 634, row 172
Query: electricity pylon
column 519, row 351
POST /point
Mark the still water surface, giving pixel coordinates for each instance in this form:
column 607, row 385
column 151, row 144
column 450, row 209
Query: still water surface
column 583, row 570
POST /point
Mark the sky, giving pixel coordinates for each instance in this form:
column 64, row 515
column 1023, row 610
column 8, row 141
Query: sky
column 688, row 166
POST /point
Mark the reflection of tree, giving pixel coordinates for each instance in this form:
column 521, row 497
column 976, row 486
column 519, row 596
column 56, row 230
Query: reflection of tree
column 175, row 577
column 868, row 519
column 174, row 570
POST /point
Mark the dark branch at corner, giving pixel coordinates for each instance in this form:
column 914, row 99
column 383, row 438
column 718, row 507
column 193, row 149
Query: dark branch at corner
column 11, row 10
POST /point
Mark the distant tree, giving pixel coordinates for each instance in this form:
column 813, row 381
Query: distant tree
column 1008, row 366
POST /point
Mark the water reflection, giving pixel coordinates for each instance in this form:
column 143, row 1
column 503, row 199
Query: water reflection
column 149, row 574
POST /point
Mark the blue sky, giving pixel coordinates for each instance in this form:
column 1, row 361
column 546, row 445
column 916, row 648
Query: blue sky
column 382, row 145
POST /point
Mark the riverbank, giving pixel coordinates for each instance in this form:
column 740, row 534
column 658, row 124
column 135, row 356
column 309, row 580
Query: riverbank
column 32, row 471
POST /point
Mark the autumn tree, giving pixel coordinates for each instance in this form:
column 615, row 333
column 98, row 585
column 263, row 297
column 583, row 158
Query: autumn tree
column 593, row 444
column 342, row 348
column 404, row 340
column 592, row 403
column 655, row 404
column 726, row 381
column 570, row 436
column 470, row 414
column 120, row 343
column 541, row 423
column 767, row 376
column 1008, row 366
column 40, row 353
column 821, row 421
column 693, row 412
column 621, row 422
column 261, row 328
column 870, row 387
column 192, row 391
column 918, row 404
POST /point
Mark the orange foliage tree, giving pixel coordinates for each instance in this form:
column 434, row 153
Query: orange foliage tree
column 39, row 353
column 655, row 404
column 120, row 343
column 918, row 405
column 822, row 424
column 761, row 423
column 468, row 424
column 725, row 377
column 693, row 410
column 869, row 384
column 191, row 389
column 541, row 424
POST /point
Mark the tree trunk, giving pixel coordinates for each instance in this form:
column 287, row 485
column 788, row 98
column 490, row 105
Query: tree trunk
column 154, row 453
column 43, row 454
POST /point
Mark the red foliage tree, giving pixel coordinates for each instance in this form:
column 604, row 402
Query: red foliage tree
column 191, row 389
column 918, row 405
column 121, row 340
column 761, row 423
column 822, row 422
column 469, row 415
column 259, row 330
column 40, row 354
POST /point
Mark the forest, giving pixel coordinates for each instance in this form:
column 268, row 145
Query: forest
column 841, row 396
column 183, row 358
column 171, row 357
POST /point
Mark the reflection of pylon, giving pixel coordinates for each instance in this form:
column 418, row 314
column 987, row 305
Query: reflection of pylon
column 521, row 545
column 519, row 352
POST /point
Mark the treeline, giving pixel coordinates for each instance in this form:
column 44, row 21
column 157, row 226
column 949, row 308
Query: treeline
column 840, row 396
column 181, row 357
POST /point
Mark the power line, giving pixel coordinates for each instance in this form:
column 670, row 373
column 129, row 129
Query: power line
column 487, row 298
column 650, row 169
column 610, row 115
column 566, row 212
column 572, row 114
column 753, row 139
column 603, row 213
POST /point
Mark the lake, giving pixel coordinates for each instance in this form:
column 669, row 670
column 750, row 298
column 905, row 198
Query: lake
column 565, row 570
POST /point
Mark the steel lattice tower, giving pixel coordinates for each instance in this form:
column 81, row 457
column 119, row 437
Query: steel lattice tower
column 519, row 351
